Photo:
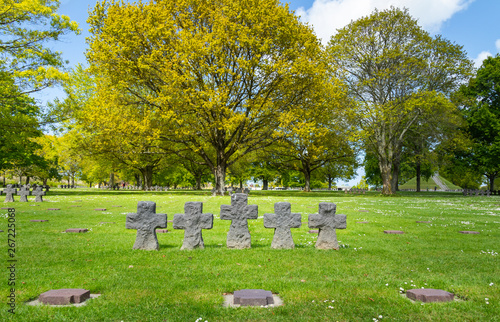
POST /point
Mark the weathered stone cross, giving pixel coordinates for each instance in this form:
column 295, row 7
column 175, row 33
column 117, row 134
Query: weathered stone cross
column 239, row 212
column 282, row 220
column 10, row 192
column 327, row 221
column 24, row 192
column 193, row 221
column 146, row 220
column 38, row 192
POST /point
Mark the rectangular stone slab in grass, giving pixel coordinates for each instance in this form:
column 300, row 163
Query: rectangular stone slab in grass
column 146, row 220
column 239, row 212
column 429, row 295
column 193, row 221
column 327, row 222
column 253, row 297
column 77, row 230
column 64, row 296
column 282, row 220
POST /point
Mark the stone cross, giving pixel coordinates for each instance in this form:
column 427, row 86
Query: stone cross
column 327, row 221
column 282, row 220
column 146, row 220
column 24, row 192
column 10, row 192
column 239, row 212
column 38, row 192
column 193, row 221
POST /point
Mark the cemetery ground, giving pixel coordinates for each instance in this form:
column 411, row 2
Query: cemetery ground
column 364, row 280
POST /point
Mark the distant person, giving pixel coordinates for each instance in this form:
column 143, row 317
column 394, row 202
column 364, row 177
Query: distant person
column 435, row 188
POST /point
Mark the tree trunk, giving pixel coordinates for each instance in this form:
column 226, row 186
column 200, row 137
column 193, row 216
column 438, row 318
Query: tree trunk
column 330, row 181
column 220, row 178
column 386, row 174
column 27, row 179
column 147, row 174
column 44, row 181
column 111, row 179
column 418, row 170
column 241, row 184
column 492, row 178
column 198, row 183
column 137, row 179
column 265, row 184
column 307, row 180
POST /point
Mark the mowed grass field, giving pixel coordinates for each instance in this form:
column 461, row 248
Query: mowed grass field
column 364, row 280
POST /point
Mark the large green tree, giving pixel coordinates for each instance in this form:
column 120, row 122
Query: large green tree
column 397, row 73
column 481, row 107
column 217, row 74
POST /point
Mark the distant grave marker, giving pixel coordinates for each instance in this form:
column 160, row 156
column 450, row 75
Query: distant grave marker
column 9, row 193
column 77, row 230
column 193, row 221
column 282, row 220
column 39, row 193
column 397, row 232
column 162, row 231
column 100, row 209
column 327, row 222
column 106, row 222
column 239, row 212
column 54, row 209
column 64, row 296
column 362, row 222
column 146, row 220
column 24, row 192
column 470, row 232
column 424, row 222
column 429, row 295
column 39, row 220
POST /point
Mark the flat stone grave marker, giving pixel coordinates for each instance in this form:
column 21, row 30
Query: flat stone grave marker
column 146, row 220
column 39, row 220
column 39, row 193
column 54, row 209
column 424, row 222
column 313, row 231
column 107, row 222
column 250, row 297
column 364, row 211
column 75, row 206
column 282, row 220
column 429, row 295
column 64, row 296
column 327, row 222
column 6, row 208
column 162, row 231
column 239, row 212
column 100, row 209
column 9, row 193
column 193, row 221
column 470, row 232
column 77, row 230
column 24, row 192
column 362, row 222
column 116, row 206
column 398, row 232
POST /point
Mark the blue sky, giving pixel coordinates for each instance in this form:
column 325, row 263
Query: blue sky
column 473, row 24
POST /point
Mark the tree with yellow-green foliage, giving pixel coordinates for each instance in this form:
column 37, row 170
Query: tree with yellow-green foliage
column 26, row 26
column 213, row 77
column 397, row 74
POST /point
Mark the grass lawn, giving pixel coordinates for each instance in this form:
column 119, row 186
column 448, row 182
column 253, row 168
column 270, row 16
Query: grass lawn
column 362, row 281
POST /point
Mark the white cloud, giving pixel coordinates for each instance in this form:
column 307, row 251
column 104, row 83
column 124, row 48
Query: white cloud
column 497, row 44
column 478, row 61
column 326, row 16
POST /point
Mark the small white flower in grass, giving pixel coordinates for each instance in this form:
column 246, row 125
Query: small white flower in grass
column 491, row 284
column 380, row 316
column 387, row 284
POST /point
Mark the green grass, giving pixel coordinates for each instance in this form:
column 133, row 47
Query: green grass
column 363, row 278
column 427, row 184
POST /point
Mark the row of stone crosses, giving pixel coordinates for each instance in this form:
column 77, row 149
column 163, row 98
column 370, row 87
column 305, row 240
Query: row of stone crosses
column 193, row 221
column 477, row 192
column 24, row 192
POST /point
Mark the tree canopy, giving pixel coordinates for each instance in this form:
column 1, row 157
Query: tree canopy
column 396, row 72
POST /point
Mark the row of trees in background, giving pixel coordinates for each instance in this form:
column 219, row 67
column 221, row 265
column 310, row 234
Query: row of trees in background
column 189, row 92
